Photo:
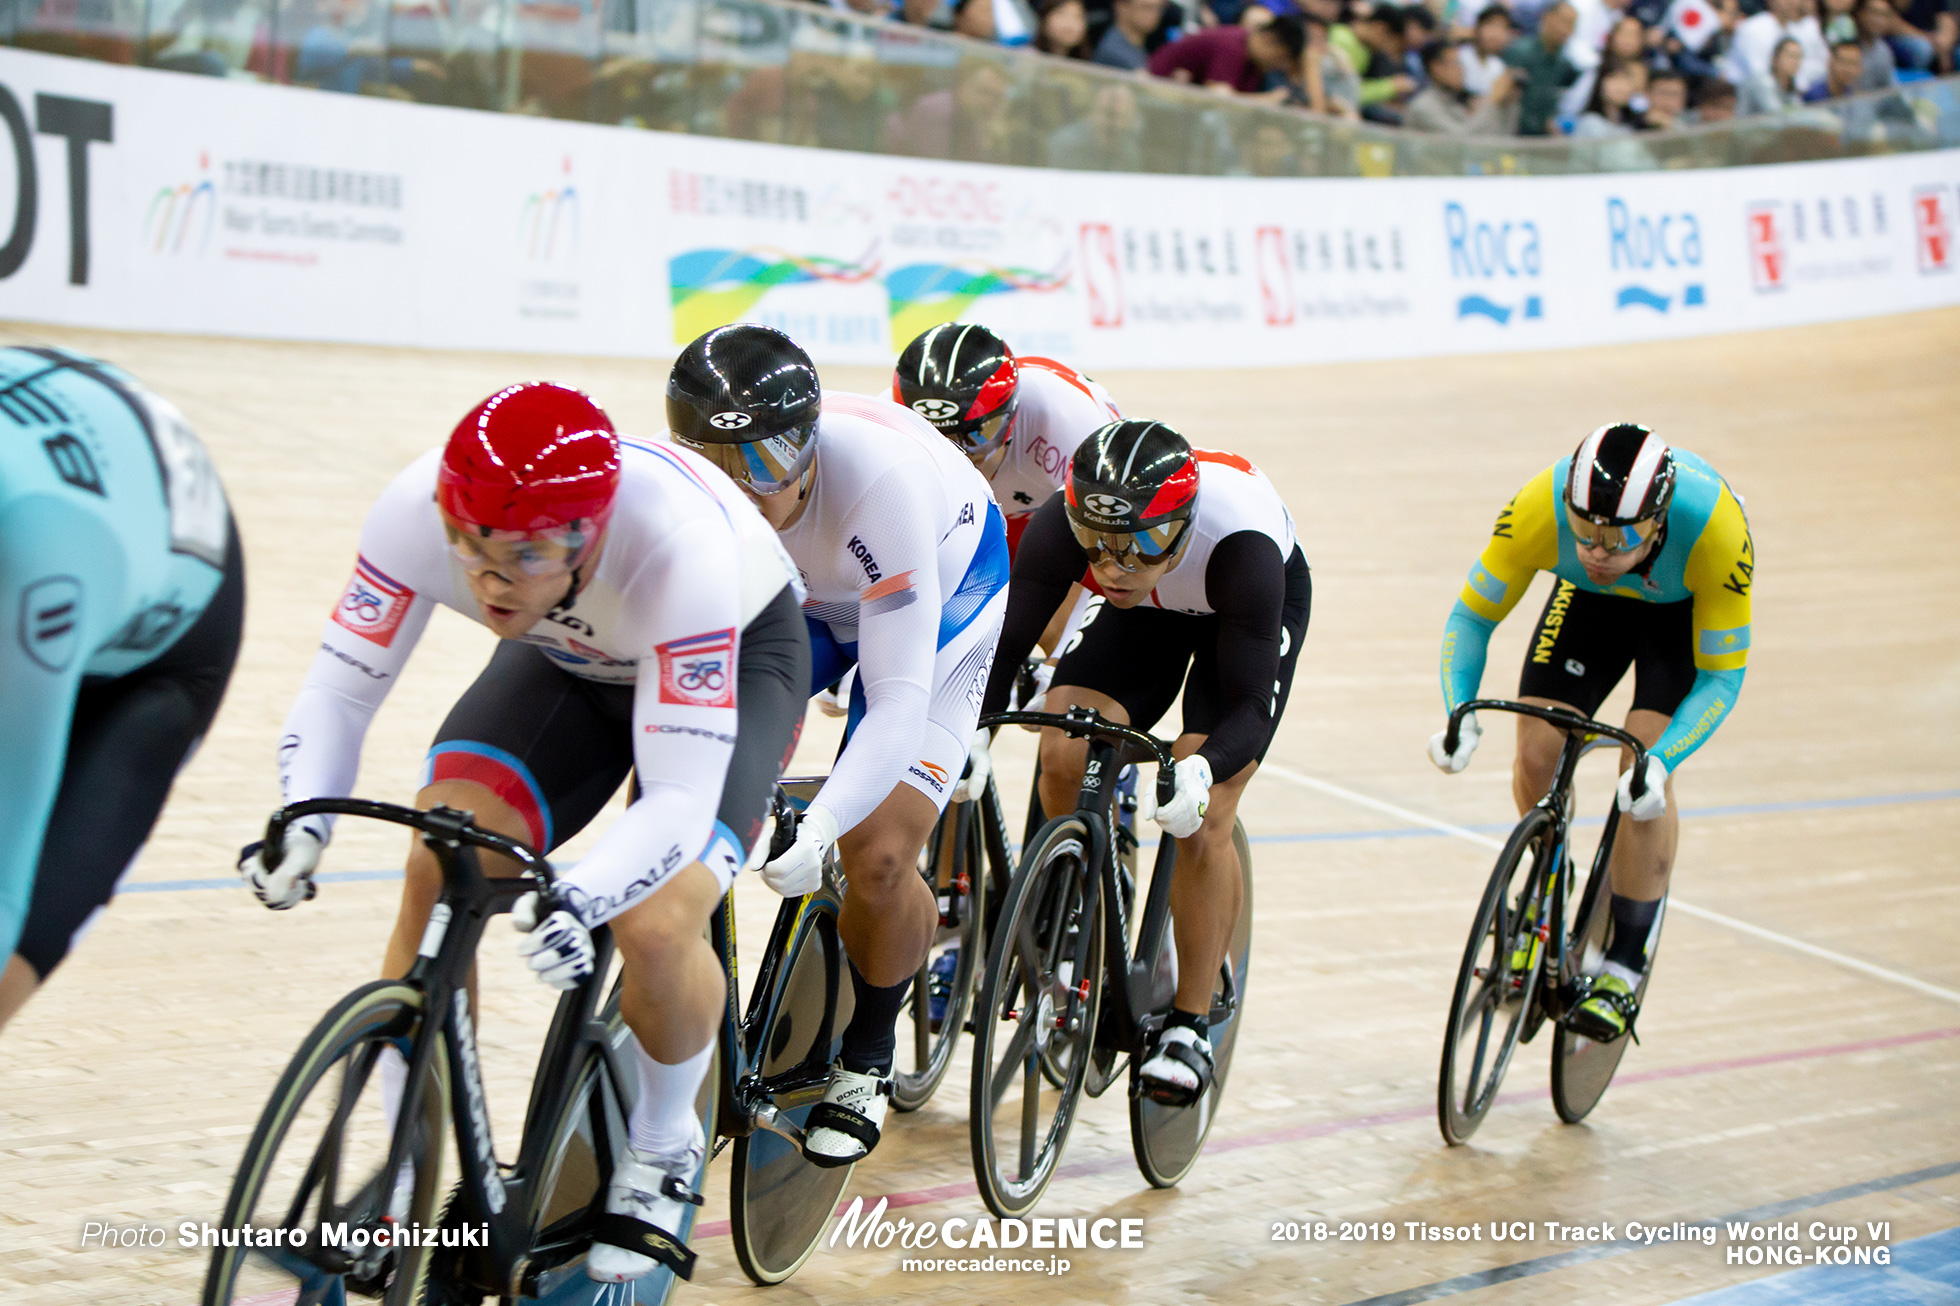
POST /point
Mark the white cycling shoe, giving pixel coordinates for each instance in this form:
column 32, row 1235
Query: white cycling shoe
column 844, row 1127
column 645, row 1207
column 1179, row 1069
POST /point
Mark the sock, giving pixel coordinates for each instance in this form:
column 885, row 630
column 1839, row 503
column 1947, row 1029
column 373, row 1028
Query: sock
column 392, row 1066
column 1632, row 922
column 664, row 1119
column 872, row 1036
column 1199, row 1024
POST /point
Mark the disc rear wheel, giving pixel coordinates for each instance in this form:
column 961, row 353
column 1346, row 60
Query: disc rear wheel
column 1168, row 1139
column 780, row 1204
column 955, row 868
column 1582, row 1068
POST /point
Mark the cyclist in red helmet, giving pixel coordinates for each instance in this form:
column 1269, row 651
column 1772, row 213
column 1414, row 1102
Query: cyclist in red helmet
column 650, row 623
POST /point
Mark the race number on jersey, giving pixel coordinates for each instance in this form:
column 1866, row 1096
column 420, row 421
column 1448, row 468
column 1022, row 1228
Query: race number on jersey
column 698, row 671
column 373, row 605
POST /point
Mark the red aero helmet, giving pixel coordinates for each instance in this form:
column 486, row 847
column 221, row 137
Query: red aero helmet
column 532, row 459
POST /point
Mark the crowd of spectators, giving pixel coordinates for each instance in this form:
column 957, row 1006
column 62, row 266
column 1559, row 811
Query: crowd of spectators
column 1491, row 68
column 1586, row 68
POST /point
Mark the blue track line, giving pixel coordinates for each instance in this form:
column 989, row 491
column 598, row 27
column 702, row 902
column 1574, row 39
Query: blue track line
column 1922, row 1270
column 1323, row 836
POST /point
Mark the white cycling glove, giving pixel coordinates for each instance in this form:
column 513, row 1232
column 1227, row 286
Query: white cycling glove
column 1185, row 812
column 979, row 767
column 558, row 948
column 800, row 870
column 291, row 882
column 1651, row 803
column 1466, row 743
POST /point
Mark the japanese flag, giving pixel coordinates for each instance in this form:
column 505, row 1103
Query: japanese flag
column 1694, row 21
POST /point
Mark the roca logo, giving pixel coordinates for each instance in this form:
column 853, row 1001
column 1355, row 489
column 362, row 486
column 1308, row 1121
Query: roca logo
column 936, row 410
column 730, row 421
column 1643, row 243
column 1106, row 505
column 1493, row 254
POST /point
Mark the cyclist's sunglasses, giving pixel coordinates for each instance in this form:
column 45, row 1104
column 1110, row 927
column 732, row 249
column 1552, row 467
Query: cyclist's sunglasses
column 537, row 556
column 765, row 466
column 981, row 440
column 1132, row 551
column 1613, row 539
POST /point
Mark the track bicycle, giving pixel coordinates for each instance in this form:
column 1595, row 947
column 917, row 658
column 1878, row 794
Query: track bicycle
column 1534, row 948
column 1076, row 981
column 324, row 1173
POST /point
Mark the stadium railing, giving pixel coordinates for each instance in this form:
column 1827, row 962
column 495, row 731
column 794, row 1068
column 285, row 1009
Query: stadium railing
column 800, row 75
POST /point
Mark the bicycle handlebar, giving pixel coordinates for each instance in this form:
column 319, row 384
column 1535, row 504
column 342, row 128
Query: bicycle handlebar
column 440, row 822
column 1559, row 717
column 1082, row 722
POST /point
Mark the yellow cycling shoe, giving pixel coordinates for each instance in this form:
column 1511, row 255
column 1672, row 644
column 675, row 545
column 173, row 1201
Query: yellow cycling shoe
column 1607, row 1012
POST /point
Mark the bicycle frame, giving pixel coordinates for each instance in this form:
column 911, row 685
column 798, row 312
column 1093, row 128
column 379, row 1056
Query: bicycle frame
column 749, row 1098
column 1557, row 994
column 497, row 1197
column 1129, row 974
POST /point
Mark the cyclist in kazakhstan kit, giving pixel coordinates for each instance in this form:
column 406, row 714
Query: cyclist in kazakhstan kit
column 649, row 624
column 1654, row 563
column 905, row 559
column 1203, row 588
column 122, row 595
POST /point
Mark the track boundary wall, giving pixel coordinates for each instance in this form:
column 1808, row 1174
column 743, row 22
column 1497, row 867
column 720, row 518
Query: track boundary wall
column 153, row 201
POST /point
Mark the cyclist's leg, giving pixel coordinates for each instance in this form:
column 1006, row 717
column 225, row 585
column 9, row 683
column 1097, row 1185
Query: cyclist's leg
column 674, row 990
column 129, row 739
column 1127, row 664
column 1643, row 851
column 1206, row 898
column 534, row 752
column 1578, row 652
column 1206, row 893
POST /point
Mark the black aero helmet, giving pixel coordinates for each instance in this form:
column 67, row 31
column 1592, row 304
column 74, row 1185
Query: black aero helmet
column 963, row 379
column 1621, row 474
column 1132, row 487
column 747, row 398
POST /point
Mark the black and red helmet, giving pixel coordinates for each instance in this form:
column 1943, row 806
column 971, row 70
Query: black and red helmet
column 1132, row 479
column 963, row 379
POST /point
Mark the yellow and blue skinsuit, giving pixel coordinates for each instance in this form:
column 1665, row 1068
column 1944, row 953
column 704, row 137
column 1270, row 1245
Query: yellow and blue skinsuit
column 1705, row 554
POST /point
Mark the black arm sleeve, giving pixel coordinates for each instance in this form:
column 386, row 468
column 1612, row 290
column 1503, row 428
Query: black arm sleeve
column 1047, row 563
column 1245, row 582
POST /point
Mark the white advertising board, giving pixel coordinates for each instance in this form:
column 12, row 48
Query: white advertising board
column 162, row 202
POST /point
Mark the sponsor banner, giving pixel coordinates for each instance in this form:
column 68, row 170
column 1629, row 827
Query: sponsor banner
column 162, row 202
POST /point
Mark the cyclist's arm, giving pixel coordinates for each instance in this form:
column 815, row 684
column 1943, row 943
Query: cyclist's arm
column 898, row 642
column 1522, row 543
column 373, row 628
column 684, row 717
column 1245, row 582
column 1048, row 562
column 1720, row 572
column 60, row 593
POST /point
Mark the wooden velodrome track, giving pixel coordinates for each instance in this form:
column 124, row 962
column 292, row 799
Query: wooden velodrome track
column 1773, row 1070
